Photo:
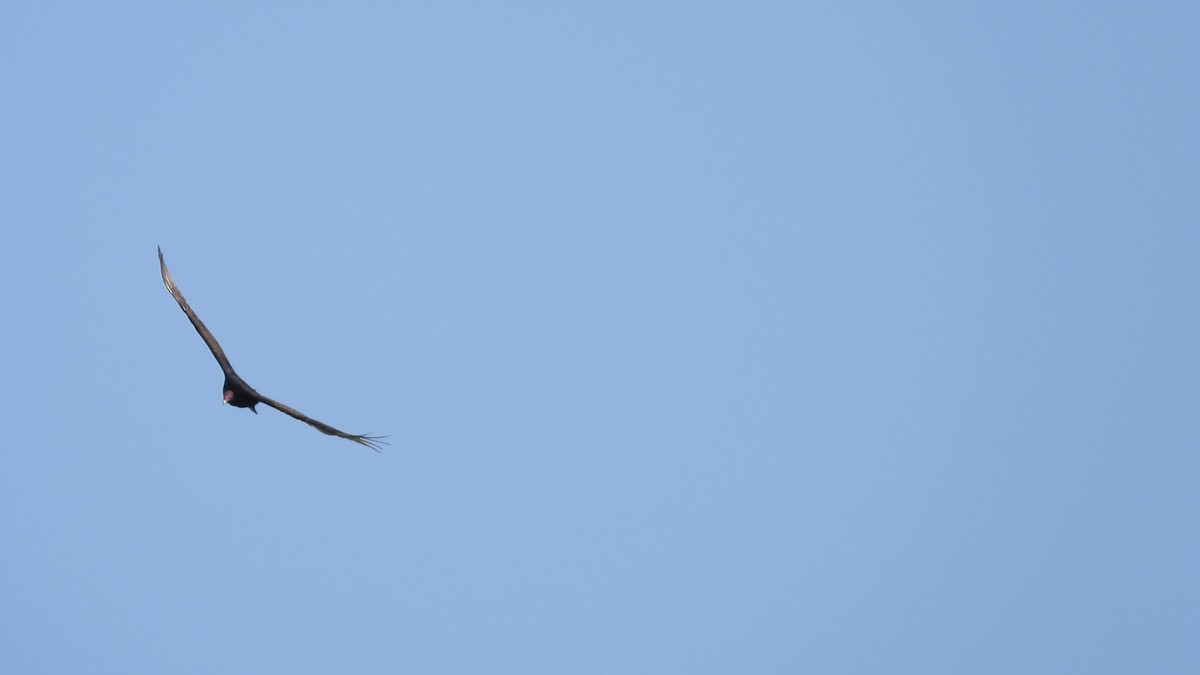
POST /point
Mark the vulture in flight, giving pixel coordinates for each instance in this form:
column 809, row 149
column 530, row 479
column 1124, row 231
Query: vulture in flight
column 237, row 392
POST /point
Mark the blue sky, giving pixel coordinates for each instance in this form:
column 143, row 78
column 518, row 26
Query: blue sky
column 710, row 337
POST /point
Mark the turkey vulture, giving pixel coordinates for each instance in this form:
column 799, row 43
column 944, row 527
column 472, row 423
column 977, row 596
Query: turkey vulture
column 237, row 392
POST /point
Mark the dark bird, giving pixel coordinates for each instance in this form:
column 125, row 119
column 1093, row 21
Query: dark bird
column 237, row 392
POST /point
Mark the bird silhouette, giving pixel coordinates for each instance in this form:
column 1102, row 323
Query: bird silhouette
column 237, row 392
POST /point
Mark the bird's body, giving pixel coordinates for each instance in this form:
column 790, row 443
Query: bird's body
column 239, row 394
column 236, row 392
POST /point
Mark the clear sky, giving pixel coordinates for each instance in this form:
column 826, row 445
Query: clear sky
column 776, row 337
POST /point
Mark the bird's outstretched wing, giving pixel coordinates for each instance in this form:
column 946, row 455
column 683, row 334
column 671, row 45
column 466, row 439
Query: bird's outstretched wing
column 372, row 442
column 208, row 338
